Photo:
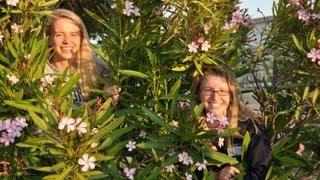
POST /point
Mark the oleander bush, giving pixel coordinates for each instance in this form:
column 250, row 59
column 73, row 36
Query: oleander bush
column 154, row 48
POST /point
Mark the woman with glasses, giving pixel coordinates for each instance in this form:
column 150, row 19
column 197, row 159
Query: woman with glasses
column 217, row 89
column 71, row 51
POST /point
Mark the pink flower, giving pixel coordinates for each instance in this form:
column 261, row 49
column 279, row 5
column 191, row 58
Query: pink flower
column 222, row 121
column 185, row 158
column 114, row 5
column 315, row 16
column 5, row 139
column 82, row 128
column 193, row 47
column 131, row 145
column 188, row 176
column 12, row 79
column 1, row 36
column 15, row 28
column 303, row 15
column 248, row 21
column 136, row 11
column 202, row 166
column 87, row 162
column 68, row 122
column 228, row 26
column 237, row 17
column 206, row 29
column 294, row 2
column 12, row 2
column 301, row 148
column 205, row 46
column 169, row 168
column 200, row 40
column 314, row 55
column 130, row 172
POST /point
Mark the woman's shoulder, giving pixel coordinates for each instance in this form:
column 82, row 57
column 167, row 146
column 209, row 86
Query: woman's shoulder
column 252, row 125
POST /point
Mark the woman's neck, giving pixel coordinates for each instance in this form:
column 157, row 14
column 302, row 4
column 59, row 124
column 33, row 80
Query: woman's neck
column 63, row 64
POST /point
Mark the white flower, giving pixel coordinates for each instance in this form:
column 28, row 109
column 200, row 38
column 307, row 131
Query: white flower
column 129, row 159
column 94, row 131
column 205, row 46
column 15, row 28
column 69, row 122
column 185, row 158
column 93, row 145
column 27, row 56
column 48, row 79
column 12, row 2
column 82, row 128
column 114, row 5
column 169, row 168
column 174, row 123
column 87, row 162
column 12, row 79
column 130, row 172
column 188, row 176
column 143, row 134
column 193, row 47
column 220, row 142
column 131, row 145
column 202, row 166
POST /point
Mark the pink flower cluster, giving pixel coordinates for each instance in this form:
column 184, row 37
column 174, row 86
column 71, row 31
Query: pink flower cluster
column 304, row 14
column 193, row 46
column 219, row 122
column 129, row 172
column 314, row 55
column 238, row 18
column 10, row 129
column 129, row 9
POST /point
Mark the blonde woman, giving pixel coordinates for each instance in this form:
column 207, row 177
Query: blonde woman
column 218, row 91
column 71, row 50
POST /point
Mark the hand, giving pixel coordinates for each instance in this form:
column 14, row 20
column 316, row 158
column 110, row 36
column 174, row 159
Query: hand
column 114, row 92
column 227, row 173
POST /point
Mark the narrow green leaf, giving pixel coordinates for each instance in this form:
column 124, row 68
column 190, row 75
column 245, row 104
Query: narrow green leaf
column 133, row 73
column 298, row 44
column 24, row 106
column 149, row 145
column 114, row 136
column 154, row 174
column 155, row 118
column 315, row 95
column 38, row 121
column 48, row 3
column 198, row 110
column 245, row 143
column 305, row 93
column 220, row 157
column 69, row 86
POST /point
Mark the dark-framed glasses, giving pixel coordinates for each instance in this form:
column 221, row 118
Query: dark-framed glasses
column 209, row 92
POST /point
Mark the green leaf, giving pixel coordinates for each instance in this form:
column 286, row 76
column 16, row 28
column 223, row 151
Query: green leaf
column 157, row 145
column 100, row 157
column 134, row 73
column 48, row 3
column 315, row 95
column 245, row 143
column 198, row 110
column 298, row 44
column 69, row 86
column 154, row 174
column 305, row 93
column 38, row 121
column 24, row 106
column 155, row 118
column 114, row 136
column 220, row 157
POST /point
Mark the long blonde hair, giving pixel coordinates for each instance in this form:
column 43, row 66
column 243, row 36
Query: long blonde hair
column 85, row 59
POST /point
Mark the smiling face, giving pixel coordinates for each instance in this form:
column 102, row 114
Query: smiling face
column 65, row 39
column 215, row 94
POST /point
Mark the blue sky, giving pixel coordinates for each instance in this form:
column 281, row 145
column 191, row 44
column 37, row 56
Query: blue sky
column 252, row 5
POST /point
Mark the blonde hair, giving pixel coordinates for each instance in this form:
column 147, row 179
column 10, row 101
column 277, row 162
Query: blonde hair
column 84, row 57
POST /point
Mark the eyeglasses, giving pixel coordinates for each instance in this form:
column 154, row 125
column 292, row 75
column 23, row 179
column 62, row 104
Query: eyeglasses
column 209, row 92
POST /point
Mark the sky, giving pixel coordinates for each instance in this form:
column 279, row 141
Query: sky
column 252, row 5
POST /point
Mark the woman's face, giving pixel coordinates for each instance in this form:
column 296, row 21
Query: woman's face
column 65, row 39
column 215, row 94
